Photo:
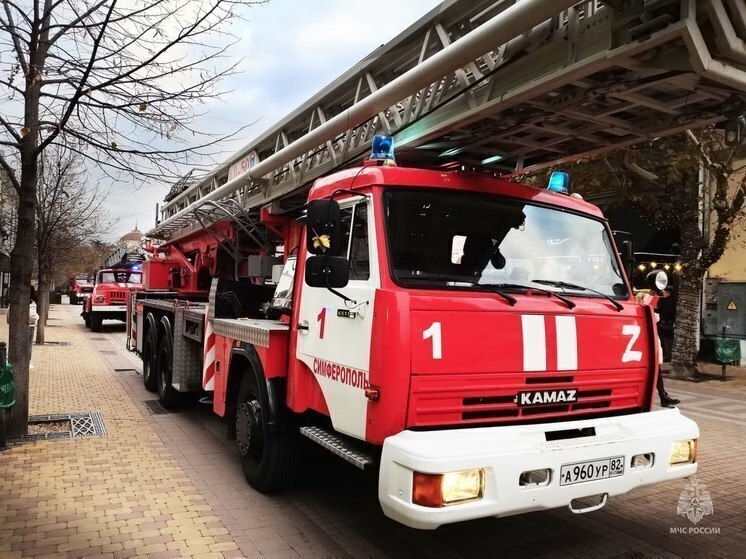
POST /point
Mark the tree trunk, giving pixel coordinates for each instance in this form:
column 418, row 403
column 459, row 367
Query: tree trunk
column 21, row 263
column 22, row 258
column 42, row 306
column 686, row 333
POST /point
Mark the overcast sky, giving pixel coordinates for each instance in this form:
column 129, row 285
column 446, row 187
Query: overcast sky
column 290, row 49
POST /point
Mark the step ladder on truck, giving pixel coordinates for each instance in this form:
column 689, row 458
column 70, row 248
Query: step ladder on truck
column 473, row 339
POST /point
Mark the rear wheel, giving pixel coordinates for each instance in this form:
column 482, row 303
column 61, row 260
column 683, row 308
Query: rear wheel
column 149, row 356
column 73, row 299
column 96, row 321
column 167, row 395
column 269, row 458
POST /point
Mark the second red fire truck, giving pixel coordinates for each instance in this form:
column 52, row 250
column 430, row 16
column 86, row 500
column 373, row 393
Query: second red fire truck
column 474, row 339
column 111, row 289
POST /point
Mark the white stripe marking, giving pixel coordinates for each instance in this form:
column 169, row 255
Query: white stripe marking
column 567, row 344
column 534, row 343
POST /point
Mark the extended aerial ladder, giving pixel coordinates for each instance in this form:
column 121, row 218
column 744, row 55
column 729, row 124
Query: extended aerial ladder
column 505, row 86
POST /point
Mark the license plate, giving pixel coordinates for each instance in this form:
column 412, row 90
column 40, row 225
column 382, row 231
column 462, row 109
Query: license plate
column 580, row 472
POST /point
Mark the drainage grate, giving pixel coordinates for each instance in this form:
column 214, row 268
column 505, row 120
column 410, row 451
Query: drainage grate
column 128, row 371
column 155, row 407
column 97, row 339
column 62, row 344
column 108, row 352
column 84, row 424
column 87, row 425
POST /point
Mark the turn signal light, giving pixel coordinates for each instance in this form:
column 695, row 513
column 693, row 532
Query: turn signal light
column 452, row 488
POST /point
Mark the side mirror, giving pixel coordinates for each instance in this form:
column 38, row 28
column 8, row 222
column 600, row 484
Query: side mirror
column 628, row 258
column 625, row 243
column 327, row 271
column 324, row 227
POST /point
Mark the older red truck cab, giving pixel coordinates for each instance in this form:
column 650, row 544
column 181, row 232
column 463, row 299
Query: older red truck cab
column 108, row 300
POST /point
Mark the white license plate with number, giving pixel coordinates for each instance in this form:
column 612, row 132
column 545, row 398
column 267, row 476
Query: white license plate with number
column 580, row 472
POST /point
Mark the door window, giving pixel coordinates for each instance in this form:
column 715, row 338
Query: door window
column 355, row 236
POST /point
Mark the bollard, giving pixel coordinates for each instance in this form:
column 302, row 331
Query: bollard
column 723, row 377
column 31, row 336
column 3, row 362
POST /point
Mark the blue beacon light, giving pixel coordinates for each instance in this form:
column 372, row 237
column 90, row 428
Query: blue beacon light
column 559, row 181
column 382, row 148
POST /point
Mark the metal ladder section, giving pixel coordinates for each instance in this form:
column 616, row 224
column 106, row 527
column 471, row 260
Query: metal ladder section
column 340, row 445
column 550, row 81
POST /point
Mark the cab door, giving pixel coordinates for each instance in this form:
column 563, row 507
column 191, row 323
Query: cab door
column 335, row 333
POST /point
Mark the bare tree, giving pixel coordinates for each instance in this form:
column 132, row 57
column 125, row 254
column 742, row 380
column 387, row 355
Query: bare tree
column 69, row 212
column 117, row 83
column 88, row 256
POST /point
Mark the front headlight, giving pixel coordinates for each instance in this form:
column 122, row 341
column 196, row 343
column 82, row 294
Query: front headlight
column 451, row 488
column 683, row 452
column 100, row 299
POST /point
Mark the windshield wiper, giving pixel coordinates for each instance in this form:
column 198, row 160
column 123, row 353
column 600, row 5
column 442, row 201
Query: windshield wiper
column 497, row 288
column 618, row 306
column 570, row 304
column 455, row 279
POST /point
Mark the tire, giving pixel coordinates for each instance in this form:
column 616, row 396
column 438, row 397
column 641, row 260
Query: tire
column 87, row 319
column 167, row 395
column 149, row 355
column 73, row 299
column 96, row 321
column 269, row 458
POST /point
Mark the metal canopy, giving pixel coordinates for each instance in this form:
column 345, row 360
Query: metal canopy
column 590, row 79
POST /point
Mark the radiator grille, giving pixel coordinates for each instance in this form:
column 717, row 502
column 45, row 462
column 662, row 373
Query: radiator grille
column 493, row 398
column 117, row 296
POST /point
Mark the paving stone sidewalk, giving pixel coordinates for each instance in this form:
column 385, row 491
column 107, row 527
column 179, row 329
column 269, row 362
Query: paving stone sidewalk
column 118, row 496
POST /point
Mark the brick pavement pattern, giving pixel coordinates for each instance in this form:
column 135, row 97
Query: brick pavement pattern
column 118, row 496
column 173, row 482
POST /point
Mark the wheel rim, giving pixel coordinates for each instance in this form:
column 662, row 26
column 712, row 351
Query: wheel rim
column 147, row 353
column 164, row 368
column 249, row 428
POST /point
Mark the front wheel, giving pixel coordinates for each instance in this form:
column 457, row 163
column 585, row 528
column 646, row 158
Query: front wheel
column 96, row 321
column 73, row 299
column 269, row 458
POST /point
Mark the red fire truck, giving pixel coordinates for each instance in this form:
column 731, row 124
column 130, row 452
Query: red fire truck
column 474, row 339
column 108, row 300
column 80, row 288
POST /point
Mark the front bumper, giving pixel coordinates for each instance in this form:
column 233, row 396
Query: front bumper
column 506, row 452
column 109, row 308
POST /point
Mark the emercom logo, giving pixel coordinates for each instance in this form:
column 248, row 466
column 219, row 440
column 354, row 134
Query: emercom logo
column 694, row 502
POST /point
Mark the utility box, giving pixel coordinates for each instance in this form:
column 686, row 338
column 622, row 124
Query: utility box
column 725, row 306
column 156, row 274
column 261, row 266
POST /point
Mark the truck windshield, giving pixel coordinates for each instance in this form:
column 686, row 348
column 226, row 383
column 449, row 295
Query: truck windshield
column 473, row 240
column 119, row 277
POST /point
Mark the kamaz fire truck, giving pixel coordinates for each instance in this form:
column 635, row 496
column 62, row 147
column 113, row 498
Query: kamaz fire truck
column 473, row 339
